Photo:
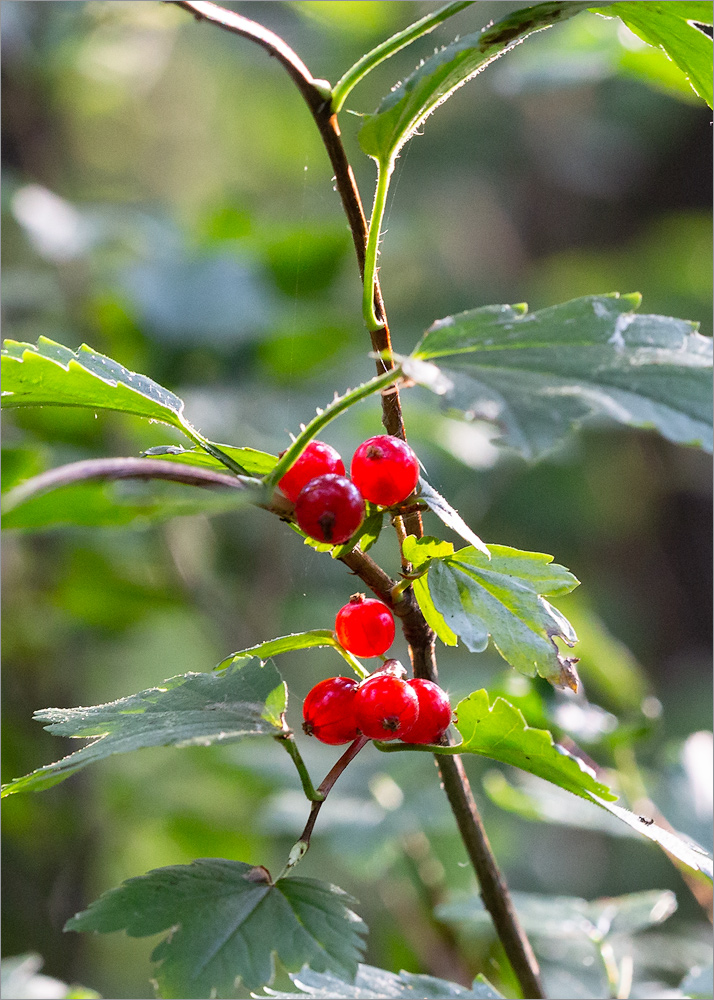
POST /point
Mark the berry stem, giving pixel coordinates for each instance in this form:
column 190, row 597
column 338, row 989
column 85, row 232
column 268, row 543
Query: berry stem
column 301, row 846
column 337, row 406
column 287, row 740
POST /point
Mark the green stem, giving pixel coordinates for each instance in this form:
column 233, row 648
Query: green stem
column 384, row 173
column 288, row 741
column 387, row 48
column 300, row 848
column 451, row 751
column 337, row 406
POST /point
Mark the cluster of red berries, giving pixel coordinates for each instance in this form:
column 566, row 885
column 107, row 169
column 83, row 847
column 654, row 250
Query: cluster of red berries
column 330, row 507
column 384, row 706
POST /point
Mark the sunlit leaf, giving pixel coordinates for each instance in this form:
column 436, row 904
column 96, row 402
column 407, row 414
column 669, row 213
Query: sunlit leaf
column 500, row 732
column 537, row 375
column 289, row 643
column 50, row 374
column 227, row 920
column 246, row 699
column 404, row 109
column 503, row 598
column 670, row 26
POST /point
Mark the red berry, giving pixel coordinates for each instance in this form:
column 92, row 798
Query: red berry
column 329, row 712
column 434, row 713
column 385, row 707
column 365, row 626
column 385, row 469
column 330, row 508
column 318, row 459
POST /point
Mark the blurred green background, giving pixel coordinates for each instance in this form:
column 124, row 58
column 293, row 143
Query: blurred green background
column 166, row 199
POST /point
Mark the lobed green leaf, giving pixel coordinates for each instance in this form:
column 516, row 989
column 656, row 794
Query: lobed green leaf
column 537, row 375
column 50, row 374
column 227, row 920
column 246, row 699
column 476, row 597
column 500, row 731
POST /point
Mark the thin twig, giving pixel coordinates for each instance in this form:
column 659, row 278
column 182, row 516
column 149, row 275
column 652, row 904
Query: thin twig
column 301, row 846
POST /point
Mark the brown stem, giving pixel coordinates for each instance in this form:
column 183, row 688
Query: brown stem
column 416, row 631
column 325, row 787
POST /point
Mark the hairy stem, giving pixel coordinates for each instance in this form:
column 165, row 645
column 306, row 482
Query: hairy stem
column 384, row 173
column 337, row 406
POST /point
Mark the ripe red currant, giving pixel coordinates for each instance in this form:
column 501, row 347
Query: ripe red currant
column 385, row 707
column 330, row 508
column 318, row 459
column 365, row 626
column 434, row 713
column 328, row 711
column 385, row 469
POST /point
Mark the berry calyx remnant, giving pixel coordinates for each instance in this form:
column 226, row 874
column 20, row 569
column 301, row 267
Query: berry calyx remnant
column 328, row 711
column 318, row 459
column 385, row 469
column 434, row 713
column 385, row 707
column 365, row 626
column 329, row 508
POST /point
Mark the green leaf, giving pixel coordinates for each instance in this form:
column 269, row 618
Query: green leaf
column 117, row 504
column 227, row 920
column 246, row 699
column 372, row 983
column 502, row 597
column 255, row 463
column 403, row 110
column 52, row 375
column 500, row 731
column 537, row 375
column 669, row 26
column 297, row 640
column 451, row 518
column 563, row 917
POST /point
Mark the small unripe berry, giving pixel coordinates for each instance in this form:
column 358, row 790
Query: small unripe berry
column 328, row 711
column 318, row 459
column 385, row 707
column 385, row 469
column 330, row 508
column 434, row 713
column 365, row 626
